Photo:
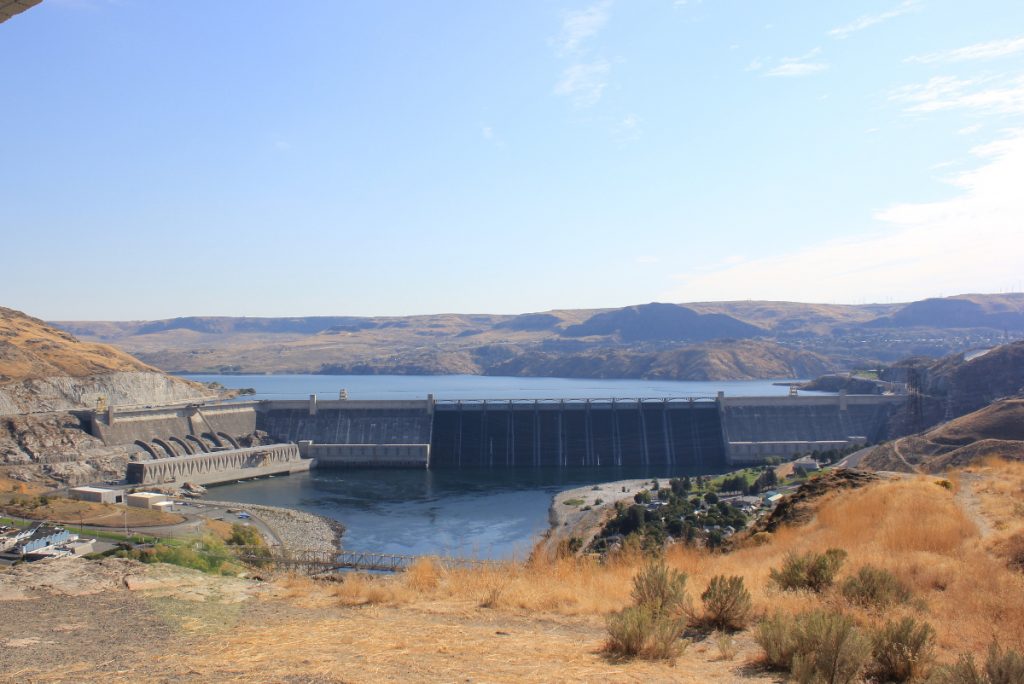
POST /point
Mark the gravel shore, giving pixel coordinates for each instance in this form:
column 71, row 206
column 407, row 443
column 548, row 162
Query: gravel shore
column 571, row 520
column 295, row 529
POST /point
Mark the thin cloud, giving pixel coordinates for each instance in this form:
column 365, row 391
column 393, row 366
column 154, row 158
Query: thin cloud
column 942, row 93
column 869, row 20
column 584, row 83
column 969, row 243
column 990, row 50
column 804, row 65
column 580, row 26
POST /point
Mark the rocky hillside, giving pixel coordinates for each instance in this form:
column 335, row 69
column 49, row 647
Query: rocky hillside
column 996, row 430
column 955, row 385
column 43, row 368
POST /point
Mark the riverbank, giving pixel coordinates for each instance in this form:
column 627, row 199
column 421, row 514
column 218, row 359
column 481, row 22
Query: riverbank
column 294, row 529
column 582, row 512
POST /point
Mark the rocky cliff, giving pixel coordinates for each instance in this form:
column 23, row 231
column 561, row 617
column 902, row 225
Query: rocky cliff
column 46, row 369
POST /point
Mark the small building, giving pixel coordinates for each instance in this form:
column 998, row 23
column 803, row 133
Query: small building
column 771, row 498
column 806, row 465
column 164, row 506
column 97, row 495
column 42, row 536
column 145, row 499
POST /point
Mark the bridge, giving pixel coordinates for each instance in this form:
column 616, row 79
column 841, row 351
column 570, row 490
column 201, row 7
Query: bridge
column 315, row 562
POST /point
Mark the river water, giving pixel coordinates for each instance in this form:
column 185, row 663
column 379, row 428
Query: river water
column 494, row 514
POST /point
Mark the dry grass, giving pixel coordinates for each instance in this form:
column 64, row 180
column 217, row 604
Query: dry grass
column 72, row 512
column 544, row 620
column 912, row 528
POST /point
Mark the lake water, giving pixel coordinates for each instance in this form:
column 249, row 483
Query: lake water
column 483, row 387
column 494, row 514
column 481, row 513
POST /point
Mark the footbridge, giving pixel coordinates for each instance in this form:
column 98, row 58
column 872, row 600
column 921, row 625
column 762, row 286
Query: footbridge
column 314, row 562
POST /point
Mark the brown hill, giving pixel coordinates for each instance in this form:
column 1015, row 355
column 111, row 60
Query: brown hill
column 43, row 368
column 649, row 340
column 996, row 430
column 29, row 348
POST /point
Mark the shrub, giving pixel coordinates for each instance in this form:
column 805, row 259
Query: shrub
column 814, row 571
column 661, row 589
column 777, row 635
column 903, row 650
column 875, row 587
column 245, row 535
column 639, row 631
column 815, row 646
column 830, row 649
column 727, row 603
column 653, row 626
column 1001, row 667
column 1004, row 667
column 726, row 644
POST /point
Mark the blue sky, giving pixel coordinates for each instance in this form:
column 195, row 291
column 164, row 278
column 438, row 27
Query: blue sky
column 256, row 158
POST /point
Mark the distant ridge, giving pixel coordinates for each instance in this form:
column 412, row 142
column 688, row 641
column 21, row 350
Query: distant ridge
column 745, row 339
column 661, row 322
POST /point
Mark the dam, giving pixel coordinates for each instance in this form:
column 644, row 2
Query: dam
column 711, row 431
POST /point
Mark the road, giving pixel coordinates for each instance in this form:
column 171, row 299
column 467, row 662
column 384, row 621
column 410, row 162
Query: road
column 195, row 514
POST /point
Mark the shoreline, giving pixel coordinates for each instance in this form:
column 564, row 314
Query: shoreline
column 571, row 520
column 294, row 528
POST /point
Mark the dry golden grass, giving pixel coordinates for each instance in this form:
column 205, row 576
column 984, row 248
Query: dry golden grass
column 912, row 527
column 72, row 512
column 545, row 620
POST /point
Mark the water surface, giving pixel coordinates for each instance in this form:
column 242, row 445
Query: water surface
column 494, row 514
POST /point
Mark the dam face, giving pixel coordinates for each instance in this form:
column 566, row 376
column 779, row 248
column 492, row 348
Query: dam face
column 576, row 433
column 687, row 432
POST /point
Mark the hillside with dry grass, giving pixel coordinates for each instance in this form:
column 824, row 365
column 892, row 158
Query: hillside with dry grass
column 996, row 430
column 43, row 368
column 956, row 550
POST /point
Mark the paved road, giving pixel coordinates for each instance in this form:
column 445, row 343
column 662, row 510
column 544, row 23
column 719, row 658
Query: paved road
column 195, row 516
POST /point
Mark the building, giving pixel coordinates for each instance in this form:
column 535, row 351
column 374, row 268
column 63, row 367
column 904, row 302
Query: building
column 146, row 499
column 806, row 465
column 42, row 536
column 97, row 495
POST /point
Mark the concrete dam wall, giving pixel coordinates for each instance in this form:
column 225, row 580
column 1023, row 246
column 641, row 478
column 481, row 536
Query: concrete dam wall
column 577, row 433
column 688, row 433
column 347, row 421
column 755, row 428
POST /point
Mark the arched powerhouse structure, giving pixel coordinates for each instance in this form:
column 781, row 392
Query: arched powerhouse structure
column 232, row 464
column 691, row 432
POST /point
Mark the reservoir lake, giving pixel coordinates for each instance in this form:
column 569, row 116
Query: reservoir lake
column 479, row 512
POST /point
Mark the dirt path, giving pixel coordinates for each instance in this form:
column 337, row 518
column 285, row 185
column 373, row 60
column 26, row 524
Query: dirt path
column 967, row 497
column 899, row 454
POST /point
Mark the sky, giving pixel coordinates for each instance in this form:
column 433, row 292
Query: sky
column 255, row 158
